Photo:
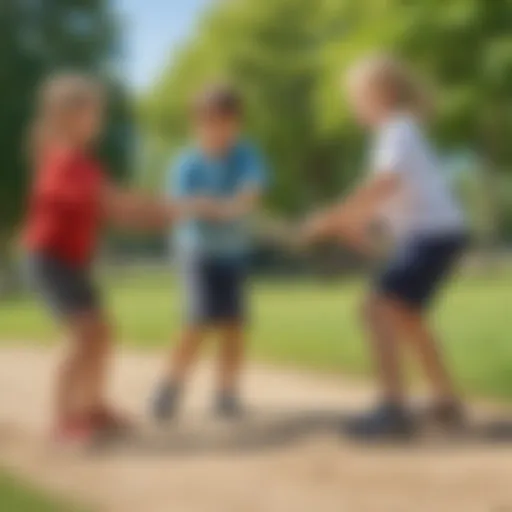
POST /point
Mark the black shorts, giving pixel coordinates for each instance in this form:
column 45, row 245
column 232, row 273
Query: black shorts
column 65, row 289
column 214, row 289
column 417, row 271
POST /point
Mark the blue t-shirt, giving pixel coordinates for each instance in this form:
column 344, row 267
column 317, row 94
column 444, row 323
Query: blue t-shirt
column 196, row 174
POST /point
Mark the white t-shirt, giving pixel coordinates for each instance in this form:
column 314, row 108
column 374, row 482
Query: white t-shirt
column 424, row 204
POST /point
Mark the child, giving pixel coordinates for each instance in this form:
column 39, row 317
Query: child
column 228, row 173
column 406, row 194
column 71, row 198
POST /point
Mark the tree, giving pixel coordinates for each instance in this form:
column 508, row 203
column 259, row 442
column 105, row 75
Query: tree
column 37, row 38
column 289, row 56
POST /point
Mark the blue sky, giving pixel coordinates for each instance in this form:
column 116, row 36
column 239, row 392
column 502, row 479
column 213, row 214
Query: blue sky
column 153, row 30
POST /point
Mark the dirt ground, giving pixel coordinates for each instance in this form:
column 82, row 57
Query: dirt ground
column 288, row 455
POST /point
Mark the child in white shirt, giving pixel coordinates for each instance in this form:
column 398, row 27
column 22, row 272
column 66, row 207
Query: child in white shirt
column 407, row 195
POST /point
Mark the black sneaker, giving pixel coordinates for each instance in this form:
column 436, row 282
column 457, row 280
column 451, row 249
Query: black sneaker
column 165, row 401
column 388, row 421
column 228, row 406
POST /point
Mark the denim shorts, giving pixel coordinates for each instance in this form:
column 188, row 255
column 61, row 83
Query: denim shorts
column 214, row 289
column 420, row 267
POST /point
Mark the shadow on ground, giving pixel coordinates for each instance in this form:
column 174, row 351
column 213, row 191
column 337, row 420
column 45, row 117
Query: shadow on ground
column 277, row 430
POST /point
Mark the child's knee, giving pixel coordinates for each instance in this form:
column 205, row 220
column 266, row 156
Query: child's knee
column 371, row 311
column 192, row 335
column 103, row 335
column 232, row 334
column 94, row 334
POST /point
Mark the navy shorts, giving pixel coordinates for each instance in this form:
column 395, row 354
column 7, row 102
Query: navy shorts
column 416, row 272
column 65, row 289
column 214, row 289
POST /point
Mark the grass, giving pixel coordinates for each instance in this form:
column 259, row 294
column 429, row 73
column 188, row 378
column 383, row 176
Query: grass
column 309, row 324
column 17, row 497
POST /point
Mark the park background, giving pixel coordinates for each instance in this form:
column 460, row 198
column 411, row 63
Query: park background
column 287, row 57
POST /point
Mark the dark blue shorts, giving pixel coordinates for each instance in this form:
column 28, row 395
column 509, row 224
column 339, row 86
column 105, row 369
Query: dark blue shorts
column 416, row 272
column 65, row 289
column 214, row 289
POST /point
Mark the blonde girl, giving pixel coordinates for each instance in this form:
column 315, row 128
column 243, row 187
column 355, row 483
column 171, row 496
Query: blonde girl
column 71, row 199
column 407, row 195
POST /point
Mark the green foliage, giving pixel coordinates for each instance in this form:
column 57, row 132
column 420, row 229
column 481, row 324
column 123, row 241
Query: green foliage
column 41, row 37
column 288, row 57
column 17, row 497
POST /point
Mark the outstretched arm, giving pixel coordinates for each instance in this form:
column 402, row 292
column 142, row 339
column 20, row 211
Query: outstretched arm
column 242, row 204
column 391, row 163
column 134, row 210
column 351, row 218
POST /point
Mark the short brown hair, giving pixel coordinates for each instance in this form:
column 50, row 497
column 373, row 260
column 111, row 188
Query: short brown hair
column 218, row 99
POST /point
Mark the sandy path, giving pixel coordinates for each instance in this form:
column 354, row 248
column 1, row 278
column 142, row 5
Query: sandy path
column 287, row 457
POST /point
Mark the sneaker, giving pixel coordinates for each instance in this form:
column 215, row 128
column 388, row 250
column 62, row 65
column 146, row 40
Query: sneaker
column 228, row 406
column 387, row 421
column 165, row 401
column 76, row 433
column 449, row 414
column 107, row 421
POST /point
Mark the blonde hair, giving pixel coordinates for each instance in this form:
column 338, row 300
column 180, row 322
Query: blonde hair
column 57, row 96
column 394, row 82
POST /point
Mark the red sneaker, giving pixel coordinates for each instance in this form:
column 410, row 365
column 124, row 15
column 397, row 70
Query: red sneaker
column 75, row 433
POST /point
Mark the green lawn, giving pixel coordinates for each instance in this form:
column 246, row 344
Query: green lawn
column 310, row 324
column 17, row 497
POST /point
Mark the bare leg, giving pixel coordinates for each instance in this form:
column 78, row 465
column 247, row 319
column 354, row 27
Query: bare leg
column 385, row 349
column 390, row 418
column 166, row 398
column 66, row 405
column 185, row 354
column 80, row 379
column 231, row 356
column 411, row 325
column 97, row 364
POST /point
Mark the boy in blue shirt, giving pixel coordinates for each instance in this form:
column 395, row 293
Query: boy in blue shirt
column 226, row 176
